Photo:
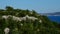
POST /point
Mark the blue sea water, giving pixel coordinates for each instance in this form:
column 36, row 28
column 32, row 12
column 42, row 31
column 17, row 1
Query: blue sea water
column 54, row 18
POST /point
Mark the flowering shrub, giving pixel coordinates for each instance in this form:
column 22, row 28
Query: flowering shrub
column 17, row 21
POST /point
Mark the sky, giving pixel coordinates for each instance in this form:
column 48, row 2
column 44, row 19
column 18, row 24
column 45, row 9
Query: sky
column 40, row 6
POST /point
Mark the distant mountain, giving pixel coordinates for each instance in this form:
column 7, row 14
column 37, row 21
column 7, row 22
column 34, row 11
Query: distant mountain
column 51, row 14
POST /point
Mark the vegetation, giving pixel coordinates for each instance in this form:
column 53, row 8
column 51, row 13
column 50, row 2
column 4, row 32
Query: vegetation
column 45, row 26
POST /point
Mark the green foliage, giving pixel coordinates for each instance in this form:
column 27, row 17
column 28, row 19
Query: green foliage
column 28, row 26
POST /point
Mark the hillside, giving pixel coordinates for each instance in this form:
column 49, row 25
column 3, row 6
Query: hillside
column 19, row 21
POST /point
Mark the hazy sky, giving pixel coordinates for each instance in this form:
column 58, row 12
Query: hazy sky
column 41, row 6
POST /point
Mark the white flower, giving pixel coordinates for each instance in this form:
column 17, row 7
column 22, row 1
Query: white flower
column 21, row 24
column 6, row 30
column 19, row 18
column 23, row 18
column 9, row 15
column 16, row 18
column 26, row 16
column 40, row 21
column 5, row 17
column 32, row 18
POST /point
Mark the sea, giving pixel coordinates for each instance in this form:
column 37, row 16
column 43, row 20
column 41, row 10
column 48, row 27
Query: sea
column 54, row 18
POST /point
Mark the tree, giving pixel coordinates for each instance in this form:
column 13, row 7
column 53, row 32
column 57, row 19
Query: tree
column 8, row 8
